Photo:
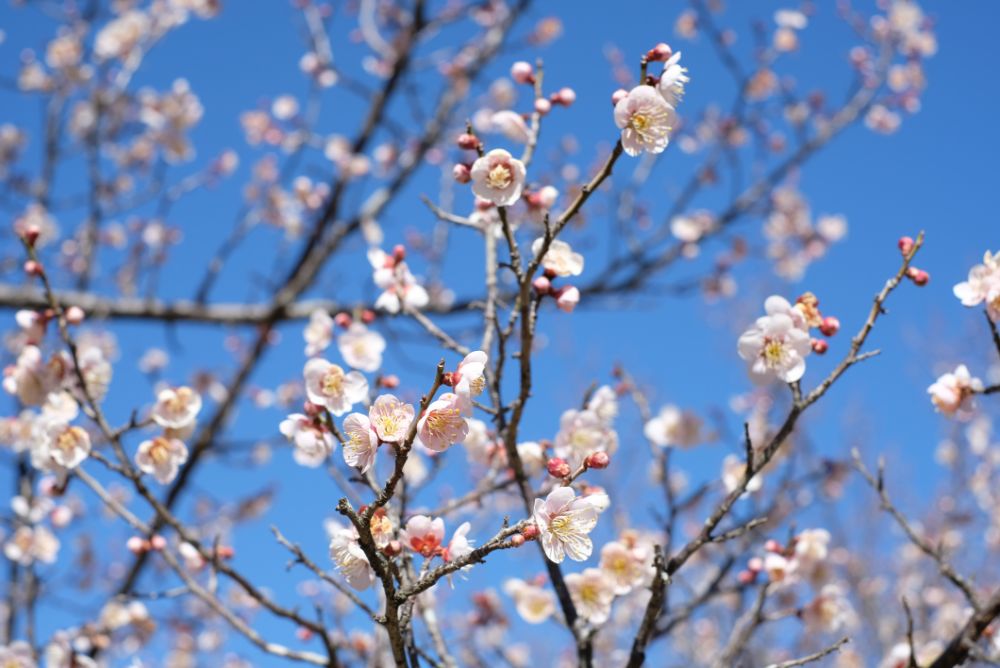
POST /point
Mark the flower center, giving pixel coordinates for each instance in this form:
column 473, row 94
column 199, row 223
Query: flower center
column 69, row 439
column 773, row 352
column 333, row 381
column 159, row 452
column 561, row 526
column 640, row 122
column 499, row 177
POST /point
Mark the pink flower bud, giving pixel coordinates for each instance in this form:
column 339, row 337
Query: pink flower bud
column 311, row 409
column 542, row 285
column 829, row 326
column 136, row 545
column 517, row 540
column 618, row 96
column 530, row 532
column 522, row 72
column 368, row 316
column 905, row 245
column 32, row 268
column 543, row 106
column 564, row 96
column 226, row 551
column 755, row 564
column 773, row 546
column 390, row 382
column 567, row 298
column 303, row 634
column 393, row 548
column 31, row 234
column 918, row 276
column 746, row 577
column 461, row 173
column 399, row 252
column 558, row 467
column 467, row 141
column 597, row 460
column 659, row 53
column 157, row 542
column 820, row 346
column 343, row 319
column 74, row 315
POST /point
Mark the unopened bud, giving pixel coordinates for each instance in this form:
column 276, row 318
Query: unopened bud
column 343, row 319
column 136, row 545
column 461, row 173
column 746, row 577
column 542, row 285
column 467, row 141
column 597, row 460
column 755, row 564
column 33, row 268
column 226, row 551
column 368, row 316
column 820, row 346
column 390, row 382
column 567, row 298
column 522, row 72
column 530, row 532
column 543, row 106
column 918, row 276
column 558, row 467
column 618, row 96
column 31, row 234
column 393, row 548
column 157, row 542
column 659, row 53
column 829, row 326
column 773, row 546
column 517, row 540
column 303, row 634
column 905, row 245
column 399, row 252
column 74, row 315
column 564, row 96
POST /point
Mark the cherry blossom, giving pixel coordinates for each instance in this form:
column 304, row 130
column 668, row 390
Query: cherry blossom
column 559, row 258
column 983, row 285
column 593, row 593
column 498, row 177
column 953, row 393
column 318, row 333
column 423, row 535
column 776, row 345
column 390, row 418
column 564, row 520
column 349, row 558
column 645, row 119
column 535, row 604
column 329, row 386
column 161, row 457
column 674, row 427
column 361, row 347
column 361, row 443
column 442, row 423
column 312, row 440
column 176, row 408
column 67, row 445
column 399, row 286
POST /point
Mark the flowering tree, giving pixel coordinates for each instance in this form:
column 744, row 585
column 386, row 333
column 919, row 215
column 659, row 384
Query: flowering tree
column 454, row 527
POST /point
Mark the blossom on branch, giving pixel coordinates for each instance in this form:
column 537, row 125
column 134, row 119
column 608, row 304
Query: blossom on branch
column 564, row 520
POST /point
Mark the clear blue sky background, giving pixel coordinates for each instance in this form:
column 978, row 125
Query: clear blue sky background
column 937, row 174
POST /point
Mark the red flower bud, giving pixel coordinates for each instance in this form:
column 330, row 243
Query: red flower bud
column 467, row 141
column 659, row 53
column 829, row 326
column 918, row 276
column 33, row 268
column 530, row 532
column 820, row 346
column 558, row 467
column 905, row 245
column 368, row 316
column 461, row 173
column 342, row 319
column 542, row 285
column 597, row 460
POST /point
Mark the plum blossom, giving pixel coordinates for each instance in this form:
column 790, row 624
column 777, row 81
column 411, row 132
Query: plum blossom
column 779, row 568
column 559, row 259
column 645, row 120
column 534, row 603
column 498, row 177
column 161, row 457
column 18, row 654
column 390, row 418
column 176, row 408
column 460, row 545
column 442, row 423
column 29, row 379
column 625, row 566
column 30, row 544
column 674, row 427
column 511, row 124
column 564, row 520
column 66, row 445
column 329, row 386
column 470, row 379
column 361, row 445
column 361, row 347
column 953, row 393
column 423, row 535
column 318, row 333
column 347, row 555
column 381, row 528
column 776, row 345
column 312, row 440
column 830, row 611
column 400, row 289
column 593, row 593
column 604, row 403
column 673, row 80
column 983, row 285
column 734, row 473
column 119, row 37
column 582, row 433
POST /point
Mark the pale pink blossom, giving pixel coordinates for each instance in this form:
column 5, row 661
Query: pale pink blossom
column 953, row 393
column 442, row 423
column 349, row 558
column 582, row 433
column 161, row 457
column 830, row 611
column 176, row 408
column 328, row 385
column 120, row 36
column 779, row 569
column 318, row 333
column 672, row 80
column 498, row 177
column 535, row 604
column 625, row 566
column 400, row 287
column 559, row 258
column 312, row 440
column 361, row 445
column 30, row 544
column 67, row 445
column 381, row 528
column 567, row 298
column 564, row 521
column 20, row 654
column 390, row 418
column 470, row 379
column 423, row 535
column 674, row 427
column 776, row 345
column 645, row 120
column 460, row 545
column 734, row 473
column 29, row 379
column 983, row 285
column 604, row 404
column 361, row 347
column 511, row 124
column 592, row 592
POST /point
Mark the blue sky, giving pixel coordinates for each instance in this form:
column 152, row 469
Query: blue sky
column 936, row 174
